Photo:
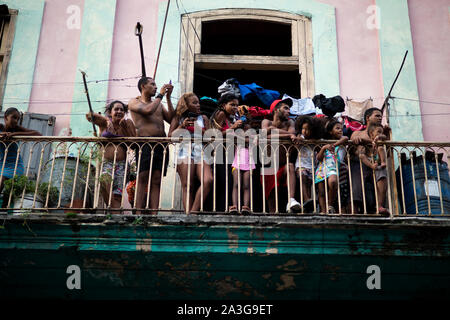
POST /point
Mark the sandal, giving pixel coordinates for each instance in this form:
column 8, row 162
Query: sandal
column 245, row 210
column 384, row 212
column 232, row 210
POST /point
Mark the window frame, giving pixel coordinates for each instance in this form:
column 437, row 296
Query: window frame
column 5, row 50
column 301, row 37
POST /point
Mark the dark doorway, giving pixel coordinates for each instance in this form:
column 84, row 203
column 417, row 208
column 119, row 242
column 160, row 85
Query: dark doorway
column 206, row 81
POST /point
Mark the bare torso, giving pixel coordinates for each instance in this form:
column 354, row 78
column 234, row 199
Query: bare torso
column 147, row 125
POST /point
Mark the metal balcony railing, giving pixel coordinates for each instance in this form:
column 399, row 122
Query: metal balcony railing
column 79, row 175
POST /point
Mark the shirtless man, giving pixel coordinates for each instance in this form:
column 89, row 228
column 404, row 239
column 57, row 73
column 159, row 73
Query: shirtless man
column 148, row 115
column 372, row 116
column 281, row 127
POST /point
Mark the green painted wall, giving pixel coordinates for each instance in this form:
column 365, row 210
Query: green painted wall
column 222, row 257
column 323, row 30
column 94, row 58
column 395, row 39
column 24, row 52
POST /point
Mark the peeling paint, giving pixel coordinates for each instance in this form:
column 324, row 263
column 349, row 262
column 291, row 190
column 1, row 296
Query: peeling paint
column 333, row 271
column 145, row 245
column 288, row 282
column 232, row 240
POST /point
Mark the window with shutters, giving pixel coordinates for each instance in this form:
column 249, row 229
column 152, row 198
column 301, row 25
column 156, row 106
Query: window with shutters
column 7, row 25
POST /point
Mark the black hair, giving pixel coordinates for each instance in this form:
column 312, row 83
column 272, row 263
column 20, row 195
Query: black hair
column 224, row 99
column 368, row 113
column 110, row 106
column 330, row 125
column 10, row 111
column 143, row 81
column 316, row 132
column 227, row 97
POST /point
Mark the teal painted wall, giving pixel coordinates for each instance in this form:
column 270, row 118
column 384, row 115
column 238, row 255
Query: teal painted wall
column 395, row 39
column 94, row 58
column 24, row 51
column 295, row 259
column 323, row 29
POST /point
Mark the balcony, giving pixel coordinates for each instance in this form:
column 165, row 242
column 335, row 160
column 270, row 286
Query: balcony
column 59, row 216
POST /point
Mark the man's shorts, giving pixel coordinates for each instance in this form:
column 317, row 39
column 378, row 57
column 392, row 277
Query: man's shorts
column 143, row 162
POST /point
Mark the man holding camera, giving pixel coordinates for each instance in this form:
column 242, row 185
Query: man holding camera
column 148, row 115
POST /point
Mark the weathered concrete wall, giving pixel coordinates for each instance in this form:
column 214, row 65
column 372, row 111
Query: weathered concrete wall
column 222, row 257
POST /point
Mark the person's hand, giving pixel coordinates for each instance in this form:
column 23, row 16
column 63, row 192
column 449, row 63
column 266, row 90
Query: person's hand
column 374, row 166
column 357, row 140
column 383, row 165
column 187, row 123
column 237, row 124
column 169, row 89
column 163, row 90
column 5, row 135
column 89, row 116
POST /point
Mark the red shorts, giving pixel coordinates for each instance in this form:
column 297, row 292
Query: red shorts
column 269, row 181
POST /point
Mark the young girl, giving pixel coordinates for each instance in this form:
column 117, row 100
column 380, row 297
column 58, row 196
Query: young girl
column 224, row 119
column 9, row 129
column 306, row 129
column 242, row 164
column 188, row 116
column 112, row 126
column 326, row 171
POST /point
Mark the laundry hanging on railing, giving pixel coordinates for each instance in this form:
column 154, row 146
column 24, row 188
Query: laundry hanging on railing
column 266, row 96
column 301, row 106
column 229, row 86
column 355, row 110
column 329, row 106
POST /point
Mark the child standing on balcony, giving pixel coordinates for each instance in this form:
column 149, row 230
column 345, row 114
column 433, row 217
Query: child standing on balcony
column 376, row 152
column 12, row 128
column 114, row 125
column 329, row 157
column 306, row 129
column 242, row 164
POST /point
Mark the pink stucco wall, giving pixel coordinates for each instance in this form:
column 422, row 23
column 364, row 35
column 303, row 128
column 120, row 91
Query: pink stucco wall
column 359, row 59
column 125, row 56
column 430, row 27
column 56, row 63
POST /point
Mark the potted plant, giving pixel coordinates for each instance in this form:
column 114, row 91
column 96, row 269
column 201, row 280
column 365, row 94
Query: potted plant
column 18, row 184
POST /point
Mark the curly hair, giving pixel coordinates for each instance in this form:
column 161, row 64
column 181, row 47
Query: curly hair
column 182, row 105
column 314, row 123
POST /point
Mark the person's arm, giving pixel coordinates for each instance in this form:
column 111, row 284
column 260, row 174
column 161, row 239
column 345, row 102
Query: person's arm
column 128, row 127
column 23, row 132
column 365, row 159
column 176, row 125
column 343, row 140
column 321, row 153
column 282, row 133
column 358, row 138
column 170, row 112
column 146, row 109
column 382, row 156
column 97, row 119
